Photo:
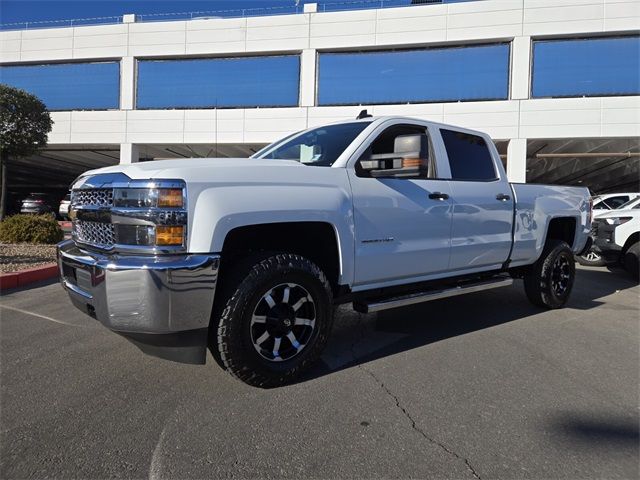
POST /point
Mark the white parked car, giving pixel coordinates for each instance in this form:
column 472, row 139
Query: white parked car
column 592, row 256
column 250, row 256
column 611, row 201
column 617, row 237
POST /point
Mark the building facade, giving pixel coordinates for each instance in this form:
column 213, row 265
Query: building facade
column 545, row 78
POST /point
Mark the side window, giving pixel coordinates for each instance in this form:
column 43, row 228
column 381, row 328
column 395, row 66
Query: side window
column 616, row 202
column 390, row 141
column 601, row 205
column 469, row 156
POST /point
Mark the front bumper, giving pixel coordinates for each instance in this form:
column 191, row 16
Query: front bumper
column 142, row 296
column 604, row 242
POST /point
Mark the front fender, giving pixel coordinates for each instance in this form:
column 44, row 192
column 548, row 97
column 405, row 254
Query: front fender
column 218, row 209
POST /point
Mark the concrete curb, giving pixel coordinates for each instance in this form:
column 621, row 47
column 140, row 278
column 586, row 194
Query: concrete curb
column 27, row 277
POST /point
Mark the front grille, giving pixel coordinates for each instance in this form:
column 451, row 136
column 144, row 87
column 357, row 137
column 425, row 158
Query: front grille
column 99, row 197
column 95, row 233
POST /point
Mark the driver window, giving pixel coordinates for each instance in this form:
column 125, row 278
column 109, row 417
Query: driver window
column 388, row 143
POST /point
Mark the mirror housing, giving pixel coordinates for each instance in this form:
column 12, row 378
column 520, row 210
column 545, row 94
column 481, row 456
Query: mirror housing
column 407, row 160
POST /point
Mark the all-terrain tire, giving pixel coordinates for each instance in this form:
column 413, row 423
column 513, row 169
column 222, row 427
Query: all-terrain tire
column 232, row 336
column 549, row 281
column 631, row 260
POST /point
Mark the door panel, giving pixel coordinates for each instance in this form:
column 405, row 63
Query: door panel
column 399, row 231
column 481, row 231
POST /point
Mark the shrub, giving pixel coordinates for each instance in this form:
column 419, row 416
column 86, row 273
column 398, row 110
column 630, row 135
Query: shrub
column 30, row 229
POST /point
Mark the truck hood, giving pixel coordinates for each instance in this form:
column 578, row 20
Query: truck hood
column 195, row 169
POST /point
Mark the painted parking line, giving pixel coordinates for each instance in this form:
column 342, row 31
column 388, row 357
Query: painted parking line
column 44, row 317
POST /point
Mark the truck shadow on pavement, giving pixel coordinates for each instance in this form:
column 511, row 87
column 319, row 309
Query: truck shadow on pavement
column 601, row 430
column 358, row 338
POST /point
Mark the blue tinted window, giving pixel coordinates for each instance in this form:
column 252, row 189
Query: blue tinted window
column 433, row 75
column 68, row 86
column 219, row 82
column 586, row 67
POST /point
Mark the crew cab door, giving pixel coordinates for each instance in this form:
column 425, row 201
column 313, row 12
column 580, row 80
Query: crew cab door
column 402, row 221
column 483, row 202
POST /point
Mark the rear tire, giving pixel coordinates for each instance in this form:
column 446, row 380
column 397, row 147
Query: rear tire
column 631, row 260
column 549, row 281
column 273, row 320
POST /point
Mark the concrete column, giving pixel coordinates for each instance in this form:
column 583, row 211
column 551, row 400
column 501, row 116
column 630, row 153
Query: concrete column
column 127, row 83
column 517, row 160
column 129, row 153
column 308, row 78
column 520, row 67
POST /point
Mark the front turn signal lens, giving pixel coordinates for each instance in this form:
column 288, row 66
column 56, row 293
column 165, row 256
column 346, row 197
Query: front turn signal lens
column 170, row 197
column 169, row 235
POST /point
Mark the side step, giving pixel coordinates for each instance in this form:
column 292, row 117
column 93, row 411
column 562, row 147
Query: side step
column 420, row 297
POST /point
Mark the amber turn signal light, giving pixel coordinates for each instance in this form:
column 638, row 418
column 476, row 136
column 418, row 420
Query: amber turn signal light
column 169, row 235
column 170, row 197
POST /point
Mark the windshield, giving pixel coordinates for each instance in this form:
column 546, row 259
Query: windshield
column 319, row 147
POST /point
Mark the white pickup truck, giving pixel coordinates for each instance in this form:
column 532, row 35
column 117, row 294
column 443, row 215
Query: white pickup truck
column 250, row 256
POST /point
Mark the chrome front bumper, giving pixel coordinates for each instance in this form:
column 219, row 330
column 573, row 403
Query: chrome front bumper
column 141, row 294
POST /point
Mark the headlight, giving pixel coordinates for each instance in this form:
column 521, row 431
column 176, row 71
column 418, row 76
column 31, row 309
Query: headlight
column 617, row 220
column 148, row 197
column 131, row 216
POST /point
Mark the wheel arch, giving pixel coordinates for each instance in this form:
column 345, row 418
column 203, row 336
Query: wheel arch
column 317, row 241
column 634, row 238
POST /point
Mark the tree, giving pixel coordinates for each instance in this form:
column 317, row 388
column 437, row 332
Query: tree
column 24, row 125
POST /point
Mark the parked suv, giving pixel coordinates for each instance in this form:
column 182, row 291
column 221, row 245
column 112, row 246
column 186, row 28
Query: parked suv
column 38, row 203
column 592, row 257
column 617, row 237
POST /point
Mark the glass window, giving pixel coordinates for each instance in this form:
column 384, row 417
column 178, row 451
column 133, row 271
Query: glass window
column 469, row 156
column 413, row 76
column 616, row 202
column 387, row 143
column 318, row 147
column 586, row 67
column 219, row 82
column 68, row 86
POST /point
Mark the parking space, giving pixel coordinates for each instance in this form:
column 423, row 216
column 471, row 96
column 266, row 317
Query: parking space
column 480, row 386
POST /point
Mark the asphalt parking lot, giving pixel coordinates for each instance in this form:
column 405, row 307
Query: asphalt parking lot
column 481, row 386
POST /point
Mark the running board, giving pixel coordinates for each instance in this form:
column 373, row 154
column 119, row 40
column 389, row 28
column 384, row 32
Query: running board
column 420, row 297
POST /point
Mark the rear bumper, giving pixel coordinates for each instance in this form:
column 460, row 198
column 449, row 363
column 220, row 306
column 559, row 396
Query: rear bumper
column 143, row 296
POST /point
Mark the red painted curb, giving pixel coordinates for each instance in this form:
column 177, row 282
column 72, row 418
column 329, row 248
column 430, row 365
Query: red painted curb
column 27, row 277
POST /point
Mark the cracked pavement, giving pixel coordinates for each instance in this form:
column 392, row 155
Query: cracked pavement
column 482, row 386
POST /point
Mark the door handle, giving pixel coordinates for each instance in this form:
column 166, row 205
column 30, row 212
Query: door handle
column 438, row 196
column 503, row 197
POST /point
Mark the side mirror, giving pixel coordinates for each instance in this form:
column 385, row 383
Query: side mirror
column 409, row 158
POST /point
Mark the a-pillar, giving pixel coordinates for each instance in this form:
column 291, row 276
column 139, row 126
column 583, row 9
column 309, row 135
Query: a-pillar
column 129, row 153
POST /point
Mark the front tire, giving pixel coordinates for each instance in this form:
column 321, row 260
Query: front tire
column 591, row 259
column 549, row 281
column 274, row 319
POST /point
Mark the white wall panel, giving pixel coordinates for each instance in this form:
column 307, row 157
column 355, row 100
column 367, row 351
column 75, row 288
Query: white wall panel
column 216, row 36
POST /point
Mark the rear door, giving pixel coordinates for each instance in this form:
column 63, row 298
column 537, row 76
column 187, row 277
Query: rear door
column 482, row 203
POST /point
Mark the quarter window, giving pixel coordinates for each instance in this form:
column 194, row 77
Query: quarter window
column 469, row 156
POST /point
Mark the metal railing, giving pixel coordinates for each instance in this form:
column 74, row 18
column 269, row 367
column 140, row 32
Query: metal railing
column 73, row 22
column 328, row 6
